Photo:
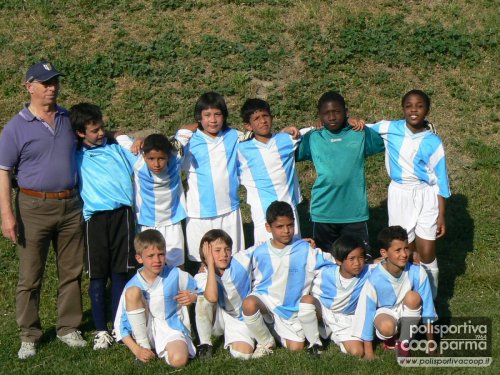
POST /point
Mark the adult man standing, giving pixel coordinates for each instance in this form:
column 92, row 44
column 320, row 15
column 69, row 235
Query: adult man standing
column 38, row 146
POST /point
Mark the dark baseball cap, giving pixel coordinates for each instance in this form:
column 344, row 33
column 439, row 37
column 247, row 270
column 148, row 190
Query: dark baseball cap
column 42, row 72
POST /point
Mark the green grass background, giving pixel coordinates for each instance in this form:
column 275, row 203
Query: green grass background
column 146, row 62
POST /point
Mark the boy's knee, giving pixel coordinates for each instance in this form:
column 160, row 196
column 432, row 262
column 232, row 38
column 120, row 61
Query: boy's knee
column 386, row 325
column 133, row 298
column 294, row 346
column 356, row 351
column 177, row 359
column 250, row 305
column 412, row 300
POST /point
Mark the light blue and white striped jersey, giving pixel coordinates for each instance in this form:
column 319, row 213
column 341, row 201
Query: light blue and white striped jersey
column 234, row 285
column 328, row 289
column 384, row 290
column 159, row 198
column 105, row 178
column 159, row 297
column 268, row 173
column 413, row 158
column 286, row 275
column 212, row 176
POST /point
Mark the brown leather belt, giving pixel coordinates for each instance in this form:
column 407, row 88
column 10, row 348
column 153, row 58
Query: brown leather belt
column 65, row 194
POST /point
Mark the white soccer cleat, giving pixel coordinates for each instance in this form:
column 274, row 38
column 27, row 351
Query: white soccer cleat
column 263, row 350
column 102, row 340
column 73, row 339
column 27, row 350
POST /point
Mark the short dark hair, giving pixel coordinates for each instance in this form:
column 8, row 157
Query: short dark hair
column 344, row 245
column 420, row 93
column 157, row 142
column 389, row 234
column 277, row 209
column 83, row 114
column 331, row 96
column 150, row 237
column 214, row 235
column 211, row 100
column 251, row 106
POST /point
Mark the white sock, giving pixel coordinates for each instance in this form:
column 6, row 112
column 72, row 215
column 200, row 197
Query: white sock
column 204, row 311
column 257, row 327
column 137, row 319
column 433, row 275
column 309, row 321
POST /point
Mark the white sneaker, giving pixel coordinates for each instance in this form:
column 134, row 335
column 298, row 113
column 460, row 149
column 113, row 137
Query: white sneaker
column 27, row 350
column 102, row 340
column 263, row 350
column 73, row 339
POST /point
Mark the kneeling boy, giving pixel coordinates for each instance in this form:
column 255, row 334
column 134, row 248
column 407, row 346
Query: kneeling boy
column 283, row 269
column 150, row 311
column 226, row 283
column 395, row 296
column 334, row 297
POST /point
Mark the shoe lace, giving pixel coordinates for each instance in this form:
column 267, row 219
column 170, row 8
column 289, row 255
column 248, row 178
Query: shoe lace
column 103, row 336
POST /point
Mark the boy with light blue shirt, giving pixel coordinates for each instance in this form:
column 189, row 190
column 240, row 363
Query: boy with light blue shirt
column 266, row 166
column 151, row 319
column 105, row 184
column 226, row 281
column 210, row 163
column 282, row 270
column 396, row 296
column 159, row 196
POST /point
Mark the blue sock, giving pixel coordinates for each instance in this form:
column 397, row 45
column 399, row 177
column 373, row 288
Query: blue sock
column 97, row 294
column 118, row 281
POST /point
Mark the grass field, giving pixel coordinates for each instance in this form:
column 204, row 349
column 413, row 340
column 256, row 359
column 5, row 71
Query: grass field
column 146, row 62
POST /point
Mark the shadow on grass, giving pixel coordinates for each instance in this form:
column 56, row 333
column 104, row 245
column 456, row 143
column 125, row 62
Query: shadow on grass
column 451, row 250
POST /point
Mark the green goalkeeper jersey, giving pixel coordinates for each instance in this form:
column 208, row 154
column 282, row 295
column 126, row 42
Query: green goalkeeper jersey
column 339, row 192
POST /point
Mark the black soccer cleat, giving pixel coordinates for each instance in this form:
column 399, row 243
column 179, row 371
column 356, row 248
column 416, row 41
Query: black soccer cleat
column 205, row 351
column 315, row 351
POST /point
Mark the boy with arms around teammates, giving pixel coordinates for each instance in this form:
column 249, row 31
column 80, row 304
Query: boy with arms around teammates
column 282, row 268
column 266, row 166
column 159, row 196
column 334, row 297
column 339, row 203
column 416, row 163
column 396, row 295
column 210, row 163
column 105, row 184
column 150, row 315
column 226, row 283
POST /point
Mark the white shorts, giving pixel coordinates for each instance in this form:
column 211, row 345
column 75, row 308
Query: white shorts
column 395, row 312
column 233, row 329
column 261, row 235
column 287, row 329
column 415, row 208
column 174, row 240
column 197, row 227
column 160, row 334
column 338, row 325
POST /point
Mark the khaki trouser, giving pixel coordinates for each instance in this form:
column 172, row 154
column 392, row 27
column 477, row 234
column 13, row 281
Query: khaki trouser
column 41, row 222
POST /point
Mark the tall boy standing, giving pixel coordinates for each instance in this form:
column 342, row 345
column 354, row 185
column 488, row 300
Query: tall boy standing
column 339, row 203
column 266, row 166
column 105, row 172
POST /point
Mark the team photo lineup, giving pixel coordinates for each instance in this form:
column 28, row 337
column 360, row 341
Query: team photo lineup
column 155, row 225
